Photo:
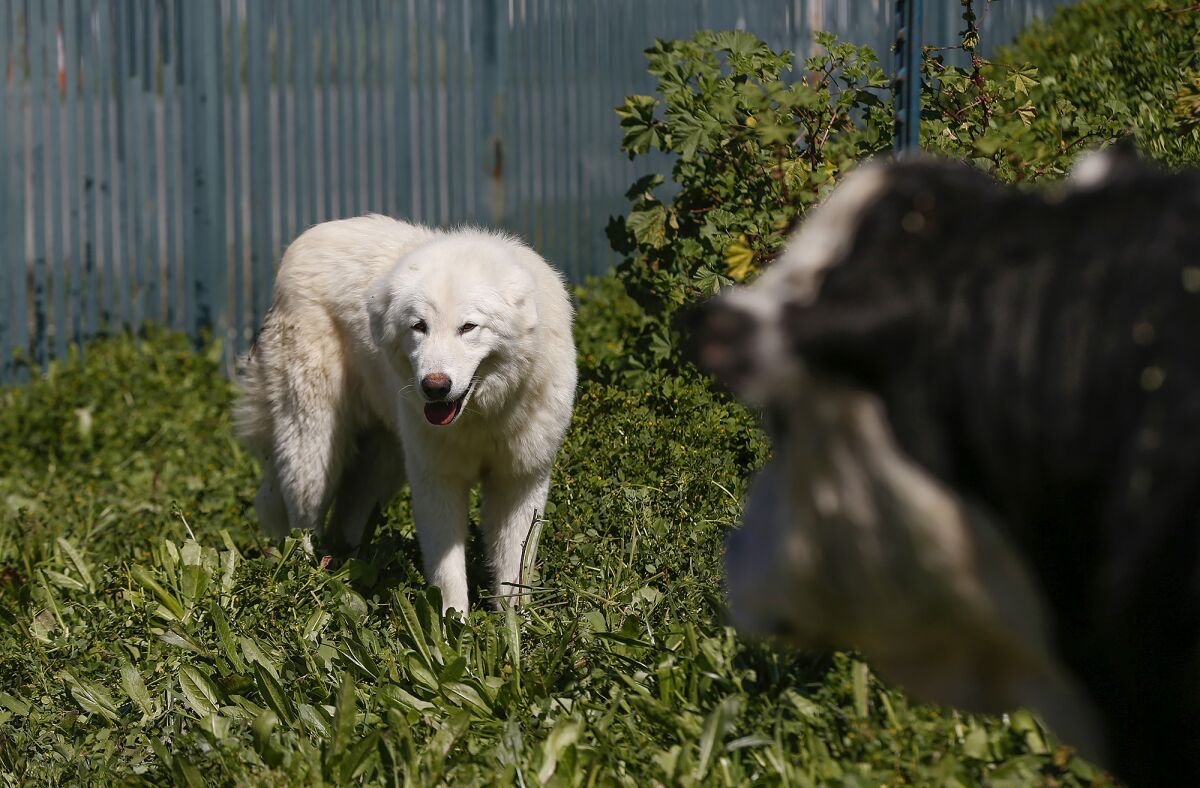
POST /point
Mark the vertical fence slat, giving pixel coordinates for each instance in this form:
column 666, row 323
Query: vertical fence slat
column 450, row 111
column 522, row 137
column 108, row 281
column 187, row 16
column 425, row 150
column 260, row 173
column 210, row 274
column 75, row 186
column 236, row 246
column 275, row 125
column 22, row 93
column 402, row 40
column 575, row 111
column 565, row 144
column 285, row 86
column 384, row 76
column 169, row 173
column 327, row 111
column 132, row 153
column 158, row 208
column 473, row 43
column 57, row 254
column 500, row 108
column 88, row 90
column 124, row 174
column 344, row 143
column 458, row 90
column 366, row 88
column 41, row 98
column 304, row 87
column 355, row 57
column 151, row 206
column 11, row 252
column 385, row 90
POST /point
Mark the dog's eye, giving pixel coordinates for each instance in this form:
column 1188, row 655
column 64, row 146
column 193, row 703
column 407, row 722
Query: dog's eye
column 467, row 327
column 420, row 327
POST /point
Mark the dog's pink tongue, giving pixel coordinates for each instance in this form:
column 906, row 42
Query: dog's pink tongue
column 441, row 413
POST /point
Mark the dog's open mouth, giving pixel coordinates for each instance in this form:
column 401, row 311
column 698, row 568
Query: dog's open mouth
column 444, row 413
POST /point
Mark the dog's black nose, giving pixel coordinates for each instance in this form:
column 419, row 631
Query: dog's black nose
column 436, row 385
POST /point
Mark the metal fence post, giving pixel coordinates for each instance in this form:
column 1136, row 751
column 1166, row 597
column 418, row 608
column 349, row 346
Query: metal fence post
column 906, row 86
column 492, row 84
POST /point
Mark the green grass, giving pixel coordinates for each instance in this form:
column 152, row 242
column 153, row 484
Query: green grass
column 148, row 633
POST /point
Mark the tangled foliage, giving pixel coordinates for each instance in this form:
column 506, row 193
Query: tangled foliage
column 753, row 150
column 1115, row 67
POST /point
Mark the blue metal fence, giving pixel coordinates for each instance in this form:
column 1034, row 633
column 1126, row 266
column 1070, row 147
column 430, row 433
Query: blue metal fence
column 156, row 156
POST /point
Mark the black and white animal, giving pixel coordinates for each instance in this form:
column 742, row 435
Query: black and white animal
column 985, row 406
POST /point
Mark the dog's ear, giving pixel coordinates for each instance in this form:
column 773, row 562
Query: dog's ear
column 863, row 341
column 383, row 323
column 521, row 299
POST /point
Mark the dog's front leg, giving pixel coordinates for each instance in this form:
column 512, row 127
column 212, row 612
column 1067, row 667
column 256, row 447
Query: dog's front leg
column 510, row 507
column 440, row 514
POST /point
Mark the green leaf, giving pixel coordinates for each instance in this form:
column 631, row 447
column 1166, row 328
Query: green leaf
column 77, row 562
column 135, row 688
column 717, row 725
column 1024, row 80
column 255, row 655
column 146, row 580
column 180, row 639
column 563, row 735
column 343, row 722
column 15, row 704
column 860, row 683
column 454, row 670
column 264, row 724
column 273, row 694
column 640, row 130
column 649, row 224
column 412, row 624
column 975, row 745
column 225, row 637
column 64, row 581
column 199, row 691
column 356, row 759
column 464, row 695
column 90, row 696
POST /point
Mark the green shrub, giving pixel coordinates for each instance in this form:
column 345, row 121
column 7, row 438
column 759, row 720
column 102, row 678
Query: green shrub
column 1110, row 67
column 753, row 151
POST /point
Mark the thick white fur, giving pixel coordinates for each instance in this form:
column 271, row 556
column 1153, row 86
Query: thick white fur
column 332, row 403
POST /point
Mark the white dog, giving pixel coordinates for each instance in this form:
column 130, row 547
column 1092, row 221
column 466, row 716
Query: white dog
column 395, row 350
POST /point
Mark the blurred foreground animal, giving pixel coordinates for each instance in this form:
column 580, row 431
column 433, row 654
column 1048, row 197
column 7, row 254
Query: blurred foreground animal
column 985, row 407
column 391, row 351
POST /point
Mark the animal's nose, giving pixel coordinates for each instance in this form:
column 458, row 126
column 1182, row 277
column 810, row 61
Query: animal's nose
column 721, row 335
column 436, row 385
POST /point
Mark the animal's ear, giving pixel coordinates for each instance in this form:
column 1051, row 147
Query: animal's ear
column 522, row 300
column 862, row 341
column 379, row 308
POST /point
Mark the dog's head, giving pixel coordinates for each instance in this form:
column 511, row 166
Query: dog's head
column 457, row 318
column 849, row 539
column 850, row 293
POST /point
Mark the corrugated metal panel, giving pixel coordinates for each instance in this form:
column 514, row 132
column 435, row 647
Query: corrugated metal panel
column 158, row 155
